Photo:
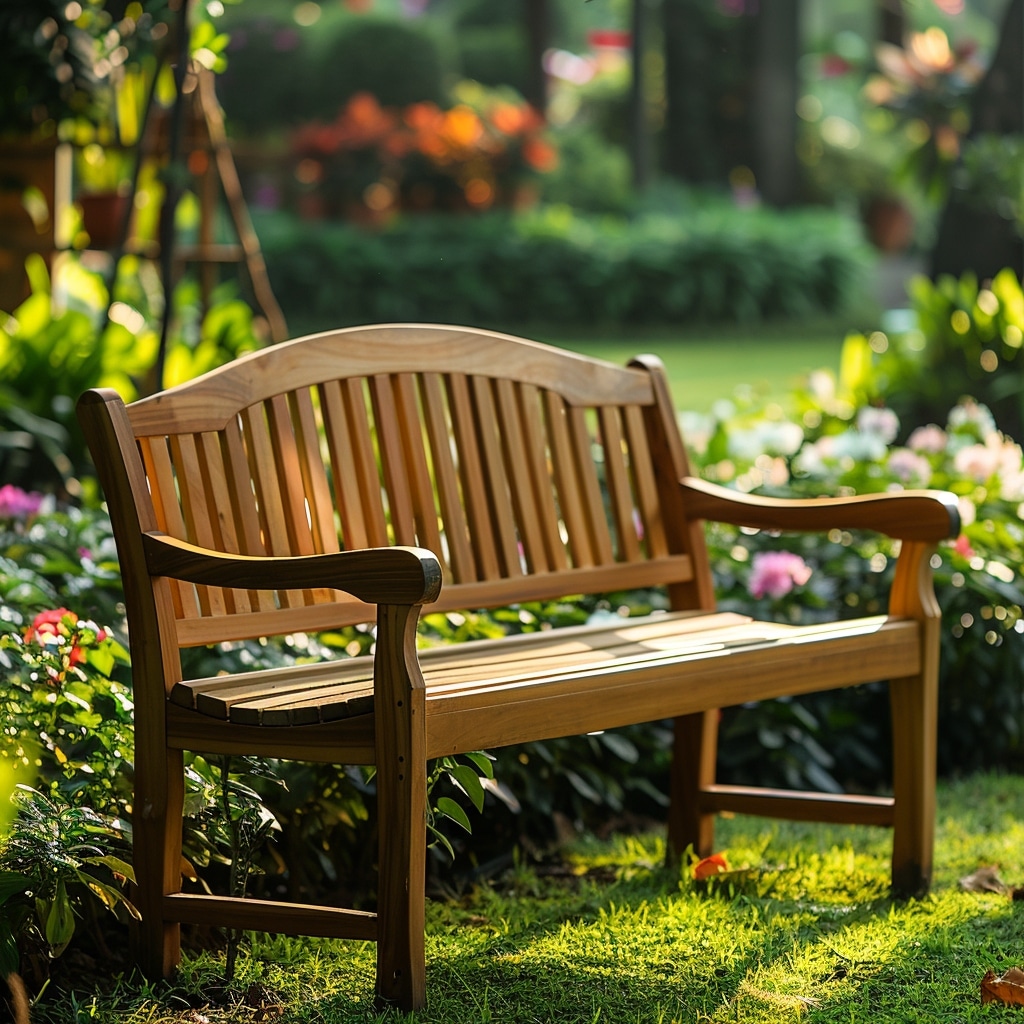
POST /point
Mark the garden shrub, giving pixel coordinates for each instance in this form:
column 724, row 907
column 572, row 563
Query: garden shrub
column 398, row 62
column 554, row 267
column 831, row 443
column 268, row 83
column 49, row 356
column 494, row 55
column 965, row 339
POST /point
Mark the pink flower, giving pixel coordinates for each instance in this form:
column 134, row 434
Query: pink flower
column 910, row 467
column 962, row 546
column 775, row 573
column 18, row 504
column 930, row 439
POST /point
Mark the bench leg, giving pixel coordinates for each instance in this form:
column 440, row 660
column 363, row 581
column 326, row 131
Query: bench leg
column 914, row 704
column 401, row 809
column 693, row 767
column 156, row 855
column 401, row 812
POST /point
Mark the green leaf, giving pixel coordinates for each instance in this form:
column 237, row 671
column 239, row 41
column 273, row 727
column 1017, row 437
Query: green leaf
column 8, row 948
column 118, row 866
column 442, row 839
column 60, row 920
column 482, row 761
column 12, row 883
column 469, row 782
column 450, row 809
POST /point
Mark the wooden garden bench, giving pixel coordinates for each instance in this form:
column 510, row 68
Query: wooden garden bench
column 362, row 474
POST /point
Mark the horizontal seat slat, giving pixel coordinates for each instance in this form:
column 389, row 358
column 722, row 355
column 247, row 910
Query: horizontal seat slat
column 605, row 663
column 608, row 696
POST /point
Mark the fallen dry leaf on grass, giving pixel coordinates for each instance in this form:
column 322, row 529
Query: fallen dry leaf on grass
column 984, row 880
column 1007, row 988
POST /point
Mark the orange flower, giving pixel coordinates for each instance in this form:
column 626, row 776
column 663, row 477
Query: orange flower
column 540, row 155
column 463, row 127
column 424, row 116
column 508, row 118
column 709, row 867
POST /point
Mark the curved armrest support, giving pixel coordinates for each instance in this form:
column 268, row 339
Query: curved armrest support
column 907, row 515
column 406, row 576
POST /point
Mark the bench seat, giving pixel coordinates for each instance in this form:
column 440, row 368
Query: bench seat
column 635, row 669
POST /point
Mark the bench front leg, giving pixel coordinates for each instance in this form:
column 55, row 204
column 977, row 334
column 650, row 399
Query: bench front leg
column 914, row 702
column 694, row 753
column 156, row 854
column 401, row 810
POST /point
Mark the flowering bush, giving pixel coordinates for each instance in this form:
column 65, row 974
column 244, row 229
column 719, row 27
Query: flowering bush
column 927, row 83
column 377, row 160
column 826, row 444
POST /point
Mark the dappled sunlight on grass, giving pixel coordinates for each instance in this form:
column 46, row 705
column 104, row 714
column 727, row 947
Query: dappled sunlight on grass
column 804, row 930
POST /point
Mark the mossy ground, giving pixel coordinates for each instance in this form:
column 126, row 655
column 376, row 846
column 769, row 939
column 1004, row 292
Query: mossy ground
column 804, row 931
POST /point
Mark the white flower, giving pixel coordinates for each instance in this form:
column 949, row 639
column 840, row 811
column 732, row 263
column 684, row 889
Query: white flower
column 882, row 423
column 970, row 417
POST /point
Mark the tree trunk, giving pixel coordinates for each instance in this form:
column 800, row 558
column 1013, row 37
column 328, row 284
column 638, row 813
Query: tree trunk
column 891, row 21
column 969, row 239
column 774, row 98
column 537, row 31
column 639, row 128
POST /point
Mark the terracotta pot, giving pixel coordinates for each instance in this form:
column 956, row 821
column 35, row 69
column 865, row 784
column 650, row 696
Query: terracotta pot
column 102, row 217
column 890, row 224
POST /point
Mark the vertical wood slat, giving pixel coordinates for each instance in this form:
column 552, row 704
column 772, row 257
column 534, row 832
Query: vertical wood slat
column 225, row 538
column 392, row 458
column 540, row 475
column 344, row 468
column 314, row 479
column 288, row 476
column 517, row 458
column 498, row 500
column 367, row 472
column 456, row 531
column 195, row 507
column 160, row 474
column 314, row 474
column 471, row 474
column 645, row 483
column 569, row 498
column 590, row 487
column 263, row 470
column 428, row 534
column 617, row 481
column 243, row 504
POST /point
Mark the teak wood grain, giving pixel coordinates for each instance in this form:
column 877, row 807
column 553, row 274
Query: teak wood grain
column 366, row 474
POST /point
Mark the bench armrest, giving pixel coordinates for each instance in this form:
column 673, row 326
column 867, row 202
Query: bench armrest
column 397, row 575
column 928, row 516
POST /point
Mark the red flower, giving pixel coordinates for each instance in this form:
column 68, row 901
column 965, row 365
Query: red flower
column 55, row 626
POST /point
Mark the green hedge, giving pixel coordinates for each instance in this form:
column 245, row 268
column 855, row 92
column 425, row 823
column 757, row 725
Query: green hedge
column 552, row 267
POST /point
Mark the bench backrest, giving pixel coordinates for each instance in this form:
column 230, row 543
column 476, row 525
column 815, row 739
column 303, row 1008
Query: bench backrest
column 531, row 472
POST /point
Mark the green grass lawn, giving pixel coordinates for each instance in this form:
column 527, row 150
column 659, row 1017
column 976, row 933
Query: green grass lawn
column 706, row 365
column 807, row 933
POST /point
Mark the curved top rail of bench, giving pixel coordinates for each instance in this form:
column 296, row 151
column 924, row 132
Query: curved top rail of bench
column 208, row 402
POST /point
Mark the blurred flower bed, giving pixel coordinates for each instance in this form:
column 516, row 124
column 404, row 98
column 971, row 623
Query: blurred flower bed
column 372, row 161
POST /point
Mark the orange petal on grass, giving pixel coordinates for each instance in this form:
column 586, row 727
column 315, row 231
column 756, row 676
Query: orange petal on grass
column 709, row 867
